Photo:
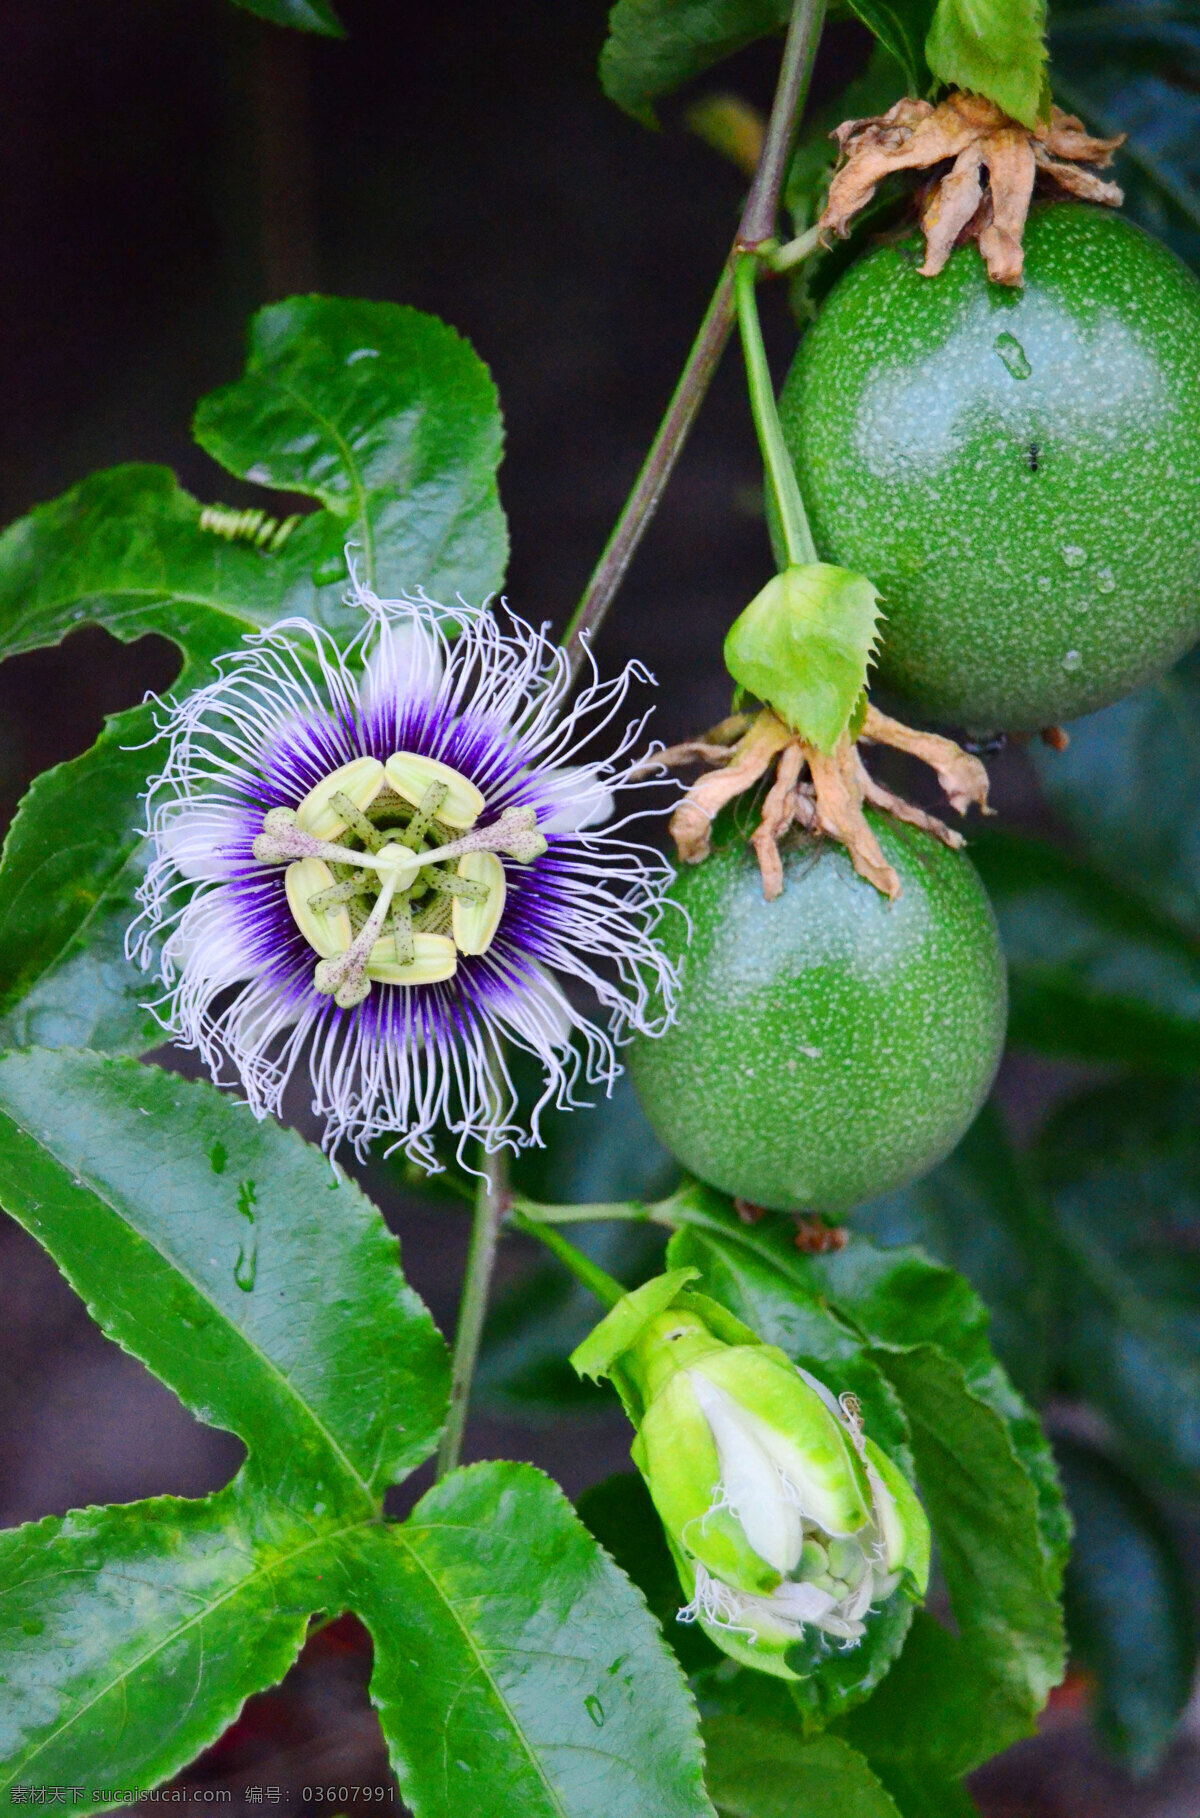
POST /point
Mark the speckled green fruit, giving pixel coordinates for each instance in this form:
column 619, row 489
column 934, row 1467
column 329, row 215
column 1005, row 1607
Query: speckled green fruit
column 829, row 1045
column 1017, row 471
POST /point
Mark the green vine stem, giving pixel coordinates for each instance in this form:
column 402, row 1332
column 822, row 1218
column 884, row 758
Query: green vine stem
column 781, row 477
column 605, row 1287
column 756, row 230
column 491, row 1197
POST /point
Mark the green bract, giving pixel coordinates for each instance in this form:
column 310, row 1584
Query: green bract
column 1017, row 471
column 781, row 1515
column 994, row 48
column 828, row 1045
column 803, row 645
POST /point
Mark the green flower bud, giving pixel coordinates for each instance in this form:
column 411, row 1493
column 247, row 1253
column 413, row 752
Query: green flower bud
column 780, row 1513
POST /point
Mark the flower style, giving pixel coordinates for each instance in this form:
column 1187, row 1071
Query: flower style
column 380, row 857
column 781, row 1514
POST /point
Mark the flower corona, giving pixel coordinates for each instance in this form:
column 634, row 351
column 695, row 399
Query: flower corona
column 379, row 858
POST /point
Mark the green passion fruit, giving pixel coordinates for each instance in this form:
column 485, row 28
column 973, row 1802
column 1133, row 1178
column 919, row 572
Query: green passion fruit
column 1018, row 471
column 829, row 1045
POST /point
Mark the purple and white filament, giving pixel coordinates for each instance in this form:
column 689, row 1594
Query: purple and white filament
column 285, row 714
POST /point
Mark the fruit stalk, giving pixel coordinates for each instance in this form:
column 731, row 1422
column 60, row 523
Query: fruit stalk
column 781, row 477
column 607, row 1290
column 757, row 228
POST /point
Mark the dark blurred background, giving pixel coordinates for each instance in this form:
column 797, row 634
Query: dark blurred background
column 165, row 170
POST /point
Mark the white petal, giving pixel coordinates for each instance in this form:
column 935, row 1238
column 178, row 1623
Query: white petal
column 539, row 1011
column 580, row 799
column 750, row 1481
column 405, row 664
column 200, row 840
column 799, row 1602
column 208, row 945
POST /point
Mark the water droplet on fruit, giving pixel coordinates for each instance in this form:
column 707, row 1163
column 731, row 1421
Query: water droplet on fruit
column 595, row 1711
column 1106, row 581
column 1072, row 660
column 1013, row 355
column 1073, row 555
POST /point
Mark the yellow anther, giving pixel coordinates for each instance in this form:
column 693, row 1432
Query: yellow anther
column 475, row 924
column 434, row 958
column 361, row 780
column 327, row 931
column 411, row 775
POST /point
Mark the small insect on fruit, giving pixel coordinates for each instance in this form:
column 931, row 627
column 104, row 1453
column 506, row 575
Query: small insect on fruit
column 829, row 1045
column 1018, row 471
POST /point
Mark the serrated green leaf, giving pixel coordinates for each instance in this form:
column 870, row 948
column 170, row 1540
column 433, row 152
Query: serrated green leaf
column 1129, row 1608
column 623, row 1519
column 983, row 1506
column 73, row 859
column 938, row 1714
column 390, row 419
column 130, row 1637
column 125, row 549
column 977, row 1213
column 655, row 46
column 516, row 1670
column 1097, row 972
column 405, row 456
column 995, row 48
column 302, row 15
column 761, row 1770
column 227, row 1256
column 803, row 646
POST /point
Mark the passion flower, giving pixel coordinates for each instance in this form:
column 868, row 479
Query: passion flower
column 781, row 1514
column 384, row 859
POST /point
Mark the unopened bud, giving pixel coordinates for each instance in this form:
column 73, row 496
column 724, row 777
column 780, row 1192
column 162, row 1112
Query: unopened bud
column 781, row 1515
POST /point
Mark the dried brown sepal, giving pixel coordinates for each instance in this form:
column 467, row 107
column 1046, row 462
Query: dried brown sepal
column 815, row 1238
column 962, row 777
column 748, row 1212
column 694, row 816
column 779, row 811
column 876, row 796
column 971, row 135
column 712, row 747
column 830, row 803
column 840, row 814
